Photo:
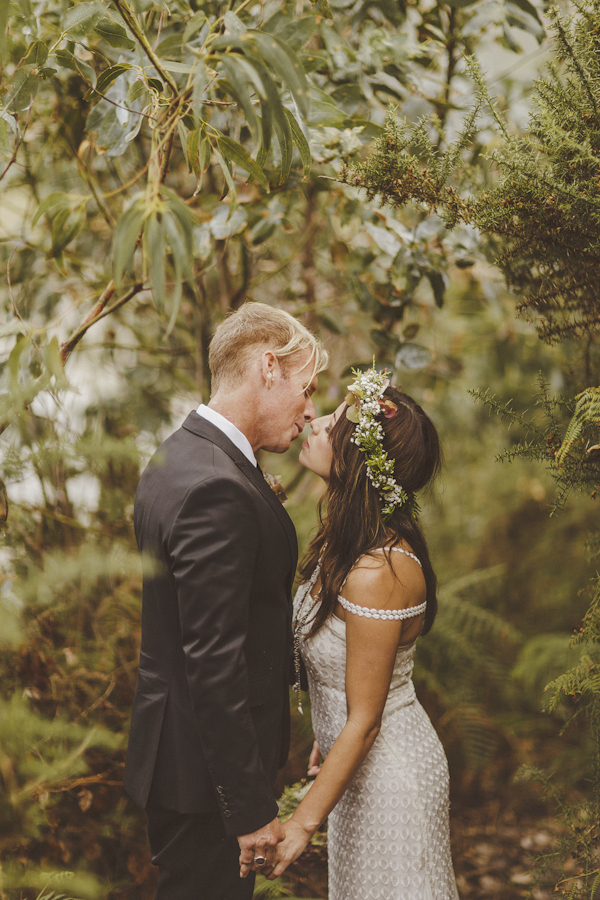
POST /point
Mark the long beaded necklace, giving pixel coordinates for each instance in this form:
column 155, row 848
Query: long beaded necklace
column 299, row 622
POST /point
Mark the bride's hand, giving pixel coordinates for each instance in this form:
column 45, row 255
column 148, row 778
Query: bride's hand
column 287, row 851
column 314, row 761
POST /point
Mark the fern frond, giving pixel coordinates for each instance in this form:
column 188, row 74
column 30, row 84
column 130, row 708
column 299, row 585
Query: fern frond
column 587, row 412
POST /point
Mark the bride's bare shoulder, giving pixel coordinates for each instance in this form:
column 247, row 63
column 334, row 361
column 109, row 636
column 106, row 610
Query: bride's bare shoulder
column 388, row 579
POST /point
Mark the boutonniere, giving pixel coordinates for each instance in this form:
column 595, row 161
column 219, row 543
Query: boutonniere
column 274, row 482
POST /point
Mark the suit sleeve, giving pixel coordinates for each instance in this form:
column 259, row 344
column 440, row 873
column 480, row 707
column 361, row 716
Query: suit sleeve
column 213, row 545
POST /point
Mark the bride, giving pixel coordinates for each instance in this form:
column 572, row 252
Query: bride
column 369, row 592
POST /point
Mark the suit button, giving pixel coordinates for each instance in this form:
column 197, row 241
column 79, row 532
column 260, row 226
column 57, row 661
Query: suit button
column 227, row 812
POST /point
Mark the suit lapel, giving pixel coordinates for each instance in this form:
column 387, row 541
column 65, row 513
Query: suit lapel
column 254, row 473
column 205, row 429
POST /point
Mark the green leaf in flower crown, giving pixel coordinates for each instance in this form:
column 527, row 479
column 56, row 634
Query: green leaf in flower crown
column 352, row 414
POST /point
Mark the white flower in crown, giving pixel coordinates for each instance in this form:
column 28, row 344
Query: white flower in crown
column 365, row 404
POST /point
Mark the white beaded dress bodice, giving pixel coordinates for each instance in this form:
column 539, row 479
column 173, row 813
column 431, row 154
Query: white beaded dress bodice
column 388, row 837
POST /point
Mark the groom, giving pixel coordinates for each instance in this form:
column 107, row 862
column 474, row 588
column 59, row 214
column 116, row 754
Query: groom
column 210, row 722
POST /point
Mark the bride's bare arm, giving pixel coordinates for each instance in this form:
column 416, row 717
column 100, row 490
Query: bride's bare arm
column 371, row 646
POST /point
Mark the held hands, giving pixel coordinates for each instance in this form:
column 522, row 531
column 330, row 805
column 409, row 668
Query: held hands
column 294, row 844
column 279, row 844
column 261, row 843
column 296, row 836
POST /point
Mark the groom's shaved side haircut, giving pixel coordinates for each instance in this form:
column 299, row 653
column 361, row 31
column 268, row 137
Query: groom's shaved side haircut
column 259, row 325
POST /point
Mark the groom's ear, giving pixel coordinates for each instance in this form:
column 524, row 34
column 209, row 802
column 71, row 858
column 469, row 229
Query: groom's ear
column 270, row 367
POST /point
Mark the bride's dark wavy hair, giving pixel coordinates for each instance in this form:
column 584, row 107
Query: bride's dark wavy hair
column 350, row 520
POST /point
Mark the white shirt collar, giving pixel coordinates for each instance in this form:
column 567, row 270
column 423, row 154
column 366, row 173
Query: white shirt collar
column 228, row 428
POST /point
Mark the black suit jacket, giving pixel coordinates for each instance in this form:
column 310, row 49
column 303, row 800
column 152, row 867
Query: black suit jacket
column 210, row 721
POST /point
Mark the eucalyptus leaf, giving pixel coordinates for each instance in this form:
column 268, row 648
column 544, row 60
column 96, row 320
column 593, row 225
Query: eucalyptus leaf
column 385, row 339
column 66, row 225
column 300, row 141
column 438, row 281
column 114, row 32
column 237, row 154
column 233, row 24
column 229, row 182
column 59, row 200
column 185, row 219
column 5, row 144
column 154, row 251
column 238, row 88
column 83, row 18
column 127, row 232
column 37, row 54
column 323, row 113
column 279, row 55
column 26, row 94
column 460, row 4
column 13, row 87
column 179, row 259
column 106, row 78
column 297, row 32
column 4, row 10
column 194, row 25
column 286, row 144
column 225, row 222
column 528, row 8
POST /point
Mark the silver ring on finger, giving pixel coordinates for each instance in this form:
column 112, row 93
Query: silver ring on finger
column 260, row 861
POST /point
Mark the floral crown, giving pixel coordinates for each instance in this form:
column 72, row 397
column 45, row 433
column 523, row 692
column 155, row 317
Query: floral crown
column 365, row 404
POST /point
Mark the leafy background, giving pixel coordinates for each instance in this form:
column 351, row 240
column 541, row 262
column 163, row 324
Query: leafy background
column 161, row 163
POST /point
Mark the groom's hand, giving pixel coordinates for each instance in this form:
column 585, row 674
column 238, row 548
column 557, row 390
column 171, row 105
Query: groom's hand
column 260, row 843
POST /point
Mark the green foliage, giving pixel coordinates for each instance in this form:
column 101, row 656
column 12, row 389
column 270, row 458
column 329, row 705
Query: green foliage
column 159, row 165
column 543, row 206
column 465, row 661
column 586, row 415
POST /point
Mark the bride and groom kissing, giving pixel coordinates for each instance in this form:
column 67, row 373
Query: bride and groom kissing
column 221, row 636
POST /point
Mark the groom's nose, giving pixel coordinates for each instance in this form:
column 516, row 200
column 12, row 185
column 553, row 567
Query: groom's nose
column 309, row 410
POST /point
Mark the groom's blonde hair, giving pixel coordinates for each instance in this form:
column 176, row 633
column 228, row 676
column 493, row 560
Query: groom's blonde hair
column 256, row 325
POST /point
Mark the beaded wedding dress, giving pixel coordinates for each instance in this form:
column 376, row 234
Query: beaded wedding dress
column 388, row 837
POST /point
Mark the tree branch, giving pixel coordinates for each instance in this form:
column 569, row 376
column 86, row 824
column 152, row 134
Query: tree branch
column 133, row 24
column 100, row 310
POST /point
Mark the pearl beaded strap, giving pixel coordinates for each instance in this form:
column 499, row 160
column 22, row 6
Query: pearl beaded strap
column 370, row 613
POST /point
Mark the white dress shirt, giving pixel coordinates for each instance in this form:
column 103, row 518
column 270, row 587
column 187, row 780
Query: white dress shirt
column 228, row 428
